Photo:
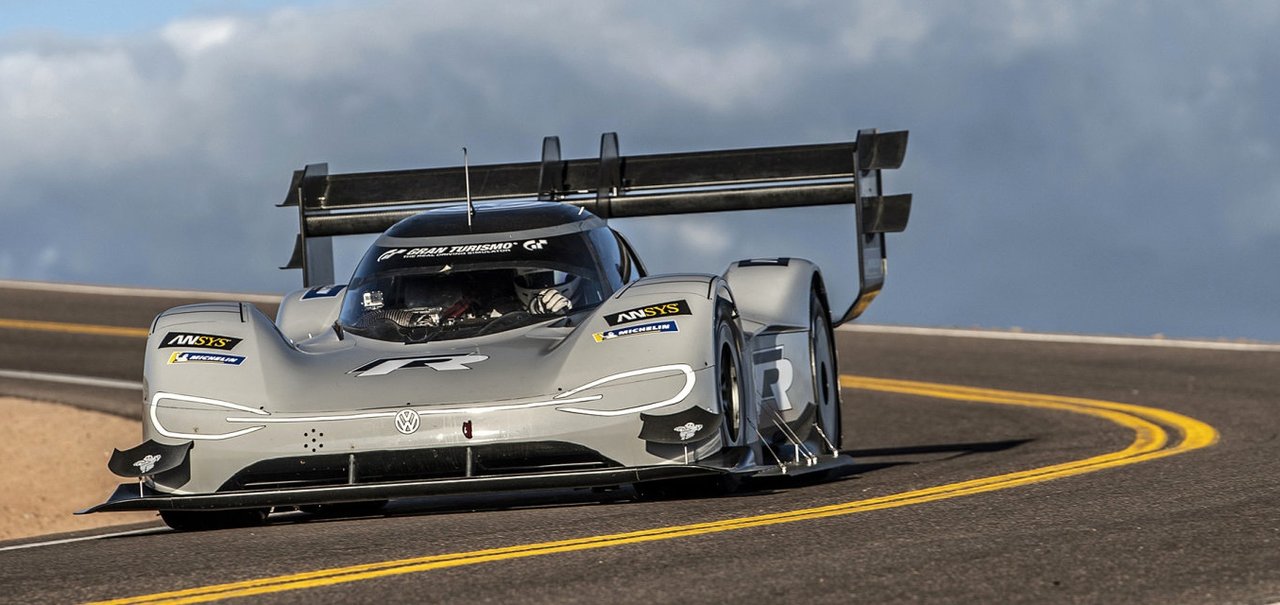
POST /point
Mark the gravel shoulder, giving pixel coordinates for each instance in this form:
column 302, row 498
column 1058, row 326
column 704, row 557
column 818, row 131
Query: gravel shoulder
column 57, row 464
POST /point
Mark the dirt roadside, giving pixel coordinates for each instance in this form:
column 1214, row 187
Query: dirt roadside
column 57, row 464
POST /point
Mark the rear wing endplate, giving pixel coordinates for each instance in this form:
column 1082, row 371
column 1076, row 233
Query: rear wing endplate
column 616, row 186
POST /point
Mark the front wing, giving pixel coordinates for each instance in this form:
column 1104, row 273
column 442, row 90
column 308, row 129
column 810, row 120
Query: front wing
column 137, row 497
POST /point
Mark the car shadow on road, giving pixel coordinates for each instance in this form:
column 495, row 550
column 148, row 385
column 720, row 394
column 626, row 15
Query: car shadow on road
column 865, row 461
column 869, row 460
column 955, row 450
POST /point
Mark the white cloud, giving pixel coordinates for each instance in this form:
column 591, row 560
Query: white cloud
column 877, row 29
column 75, row 108
column 1037, row 23
column 195, row 37
column 25, row 263
column 1255, row 217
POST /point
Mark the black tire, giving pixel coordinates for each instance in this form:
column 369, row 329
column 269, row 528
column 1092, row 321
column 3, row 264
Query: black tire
column 345, row 509
column 731, row 396
column 689, row 488
column 188, row 520
column 824, row 372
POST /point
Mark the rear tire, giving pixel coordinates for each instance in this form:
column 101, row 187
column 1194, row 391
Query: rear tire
column 825, row 373
column 730, row 393
column 187, row 520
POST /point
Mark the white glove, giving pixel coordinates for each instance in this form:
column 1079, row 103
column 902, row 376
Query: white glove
column 549, row 301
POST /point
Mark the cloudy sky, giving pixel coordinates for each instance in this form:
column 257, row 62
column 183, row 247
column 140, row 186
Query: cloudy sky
column 1099, row 167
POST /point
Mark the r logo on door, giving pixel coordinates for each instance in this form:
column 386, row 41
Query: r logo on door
column 774, row 374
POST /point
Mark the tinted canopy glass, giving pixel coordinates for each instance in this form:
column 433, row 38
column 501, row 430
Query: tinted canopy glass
column 437, row 291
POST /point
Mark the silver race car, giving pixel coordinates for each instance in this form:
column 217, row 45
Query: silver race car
column 502, row 334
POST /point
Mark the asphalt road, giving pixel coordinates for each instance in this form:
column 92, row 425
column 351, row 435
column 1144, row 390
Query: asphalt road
column 1196, row 527
column 92, row 333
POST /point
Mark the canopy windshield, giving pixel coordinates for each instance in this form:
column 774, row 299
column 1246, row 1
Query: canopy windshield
column 417, row 294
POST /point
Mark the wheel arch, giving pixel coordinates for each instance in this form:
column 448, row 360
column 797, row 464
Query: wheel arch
column 774, row 292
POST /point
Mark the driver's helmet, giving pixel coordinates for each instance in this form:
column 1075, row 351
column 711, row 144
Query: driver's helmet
column 530, row 282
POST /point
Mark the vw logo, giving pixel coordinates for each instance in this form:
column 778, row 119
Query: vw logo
column 407, row 421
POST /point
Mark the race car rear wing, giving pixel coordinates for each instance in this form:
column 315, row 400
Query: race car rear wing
column 614, row 186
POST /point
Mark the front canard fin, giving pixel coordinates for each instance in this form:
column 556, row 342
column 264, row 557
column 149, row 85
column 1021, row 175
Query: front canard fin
column 150, row 458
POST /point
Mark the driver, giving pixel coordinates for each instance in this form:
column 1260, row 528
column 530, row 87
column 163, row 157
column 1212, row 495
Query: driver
column 546, row 292
column 440, row 300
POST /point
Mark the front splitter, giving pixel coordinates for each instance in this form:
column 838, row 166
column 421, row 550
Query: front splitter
column 135, row 497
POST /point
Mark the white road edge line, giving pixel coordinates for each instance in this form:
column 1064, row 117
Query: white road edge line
column 109, row 383
column 132, row 532
column 143, row 292
column 1064, row 338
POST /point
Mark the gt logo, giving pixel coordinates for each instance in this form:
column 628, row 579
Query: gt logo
column 774, row 374
column 675, row 307
column 535, row 244
column 204, row 341
column 392, row 253
column 440, row 363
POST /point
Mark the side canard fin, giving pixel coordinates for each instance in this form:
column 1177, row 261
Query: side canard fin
column 150, row 458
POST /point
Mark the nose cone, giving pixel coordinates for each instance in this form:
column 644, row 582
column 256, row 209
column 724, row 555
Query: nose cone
column 377, row 375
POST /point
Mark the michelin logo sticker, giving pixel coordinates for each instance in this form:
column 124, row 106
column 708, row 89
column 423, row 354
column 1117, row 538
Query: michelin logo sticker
column 214, row 358
column 653, row 328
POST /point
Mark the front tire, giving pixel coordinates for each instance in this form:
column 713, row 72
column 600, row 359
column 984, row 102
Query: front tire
column 731, row 400
column 203, row 520
column 345, row 509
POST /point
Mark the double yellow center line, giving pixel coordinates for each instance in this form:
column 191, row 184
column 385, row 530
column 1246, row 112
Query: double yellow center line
column 1151, row 440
